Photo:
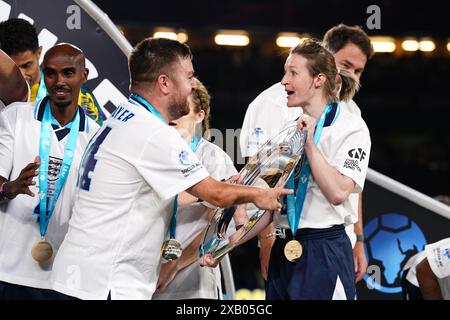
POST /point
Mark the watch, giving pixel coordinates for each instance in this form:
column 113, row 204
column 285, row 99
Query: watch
column 360, row 237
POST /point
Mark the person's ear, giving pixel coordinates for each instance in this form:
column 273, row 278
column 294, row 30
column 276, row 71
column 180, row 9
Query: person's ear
column 85, row 74
column 199, row 117
column 319, row 80
column 164, row 84
column 39, row 51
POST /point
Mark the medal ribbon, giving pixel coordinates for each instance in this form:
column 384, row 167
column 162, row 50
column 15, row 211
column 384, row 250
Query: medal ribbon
column 44, row 154
column 138, row 100
column 295, row 202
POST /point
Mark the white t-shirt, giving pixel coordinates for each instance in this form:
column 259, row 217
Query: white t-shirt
column 345, row 144
column 195, row 282
column 438, row 255
column 20, row 126
column 267, row 114
column 129, row 177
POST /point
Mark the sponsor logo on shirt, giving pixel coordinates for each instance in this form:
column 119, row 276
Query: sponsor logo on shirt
column 184, row 158
column 357, row 153
column 191, row 169
column 447, row 253
column 258, row 132
column 352, row 164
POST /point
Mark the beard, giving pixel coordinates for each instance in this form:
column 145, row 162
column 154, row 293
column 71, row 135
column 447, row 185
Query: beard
column 62, row 104
column 178, row 108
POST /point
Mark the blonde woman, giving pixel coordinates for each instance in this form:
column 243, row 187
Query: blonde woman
column 311, row 256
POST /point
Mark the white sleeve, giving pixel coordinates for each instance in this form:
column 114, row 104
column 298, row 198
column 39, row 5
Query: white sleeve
column 248, row 146
column 6, row 145
column 168, row 165
column 219, row 165
column 352, row 157
column 438, row 255
column 259, row 125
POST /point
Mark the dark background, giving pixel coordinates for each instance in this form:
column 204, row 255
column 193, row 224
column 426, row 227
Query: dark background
column 404, row 96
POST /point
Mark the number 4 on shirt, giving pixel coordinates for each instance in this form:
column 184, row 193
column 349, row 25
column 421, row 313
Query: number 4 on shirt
column 89, row 160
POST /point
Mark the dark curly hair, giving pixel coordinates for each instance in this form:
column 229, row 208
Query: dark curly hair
column 17, row 36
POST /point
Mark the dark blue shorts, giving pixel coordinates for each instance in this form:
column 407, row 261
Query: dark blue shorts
column 10, row 291
column 325, row 270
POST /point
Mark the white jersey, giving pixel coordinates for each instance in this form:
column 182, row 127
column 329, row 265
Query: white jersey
column 20, row 127
column 195, row 282
column 438, row 255
column 267, row 115
column 131, row 172
column 345, row 144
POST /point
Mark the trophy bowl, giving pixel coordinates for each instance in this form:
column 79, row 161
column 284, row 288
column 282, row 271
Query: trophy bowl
column 270, row 167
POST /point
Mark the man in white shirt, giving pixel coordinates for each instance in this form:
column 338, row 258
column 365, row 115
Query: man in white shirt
column 268, row 114
column 129, row 177
column 433, row 272
column 23, row 215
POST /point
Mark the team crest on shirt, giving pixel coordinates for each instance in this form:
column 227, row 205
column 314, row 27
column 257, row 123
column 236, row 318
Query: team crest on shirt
column 258, row 132
column 184, row 158
column 447, row 253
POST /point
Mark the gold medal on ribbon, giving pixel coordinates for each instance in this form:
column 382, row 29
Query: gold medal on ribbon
column 171, row 250
column 293, row 250
column 42, row 251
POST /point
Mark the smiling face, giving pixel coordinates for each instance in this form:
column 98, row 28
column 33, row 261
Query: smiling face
column 64, row 73
column 297, row 81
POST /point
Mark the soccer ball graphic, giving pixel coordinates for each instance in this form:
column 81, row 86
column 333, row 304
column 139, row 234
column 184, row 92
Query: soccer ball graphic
column 391, row 240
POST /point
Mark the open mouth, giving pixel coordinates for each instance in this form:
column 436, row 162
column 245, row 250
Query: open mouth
column 289, row 92
column 172, row 123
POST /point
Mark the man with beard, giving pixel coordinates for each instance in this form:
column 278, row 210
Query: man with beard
column 45, row 139
column 130, row 175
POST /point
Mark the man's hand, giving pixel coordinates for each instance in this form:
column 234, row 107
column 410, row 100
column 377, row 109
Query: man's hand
column 208, row 261
column 167, row 273
column 360, row 260
column 23, row 182
column 268, row 199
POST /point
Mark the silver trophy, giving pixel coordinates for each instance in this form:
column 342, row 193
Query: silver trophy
column 270, row 167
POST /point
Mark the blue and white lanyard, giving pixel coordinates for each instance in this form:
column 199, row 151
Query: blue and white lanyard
column 44, row 154
column 136, row 99
column 295, row 202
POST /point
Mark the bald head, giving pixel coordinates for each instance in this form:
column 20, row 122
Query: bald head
column 64, row 73
column 68, row 51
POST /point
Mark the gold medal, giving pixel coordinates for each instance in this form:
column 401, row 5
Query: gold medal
column 171, row 250
column 42, row 251
column 293, row 250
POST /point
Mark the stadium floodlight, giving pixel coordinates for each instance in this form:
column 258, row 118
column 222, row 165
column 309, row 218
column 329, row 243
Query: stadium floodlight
column 232, row 38
column 427, row 45
column 288, row 40
column 410, row 45
column 383, row 44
